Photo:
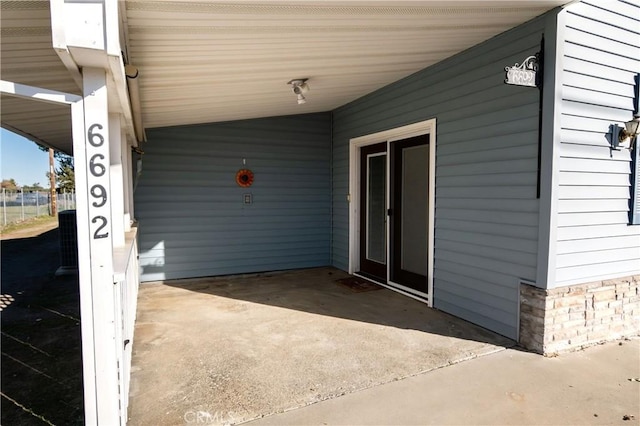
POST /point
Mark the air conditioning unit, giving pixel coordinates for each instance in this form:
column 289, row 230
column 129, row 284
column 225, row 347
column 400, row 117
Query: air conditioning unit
column 68, row 243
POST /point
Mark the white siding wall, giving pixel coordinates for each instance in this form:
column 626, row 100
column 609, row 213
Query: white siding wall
column 600, row 59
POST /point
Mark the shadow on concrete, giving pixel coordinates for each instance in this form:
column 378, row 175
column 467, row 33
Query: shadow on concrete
column 317, row 291
column 41, row 339
column 238, row 348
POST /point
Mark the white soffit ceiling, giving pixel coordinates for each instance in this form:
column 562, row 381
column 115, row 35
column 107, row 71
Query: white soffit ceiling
column 212, row 61
column 27, row 57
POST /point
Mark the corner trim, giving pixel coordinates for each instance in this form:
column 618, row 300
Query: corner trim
column 550, row 152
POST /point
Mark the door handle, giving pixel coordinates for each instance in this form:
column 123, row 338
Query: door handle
column 389, row 212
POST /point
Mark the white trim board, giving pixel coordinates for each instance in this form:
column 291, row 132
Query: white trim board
column 550, row 153
column 389, row 136
column 37, row 93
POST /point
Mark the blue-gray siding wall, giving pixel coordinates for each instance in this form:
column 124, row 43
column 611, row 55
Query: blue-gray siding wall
column 600, row 59
column 486, row 215
column 192, row 218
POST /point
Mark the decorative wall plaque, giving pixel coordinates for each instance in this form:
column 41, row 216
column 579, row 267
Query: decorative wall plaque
column 523, row 74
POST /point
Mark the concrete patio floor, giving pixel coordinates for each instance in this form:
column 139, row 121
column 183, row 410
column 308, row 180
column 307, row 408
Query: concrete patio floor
column 232, row 349
column 596, row 386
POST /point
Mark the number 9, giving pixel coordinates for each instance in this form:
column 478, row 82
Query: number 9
column 98, row 191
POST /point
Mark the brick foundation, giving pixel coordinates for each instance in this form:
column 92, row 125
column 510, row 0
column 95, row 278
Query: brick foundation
column 567, row 318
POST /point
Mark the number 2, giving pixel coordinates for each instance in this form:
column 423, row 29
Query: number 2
column 97, row 235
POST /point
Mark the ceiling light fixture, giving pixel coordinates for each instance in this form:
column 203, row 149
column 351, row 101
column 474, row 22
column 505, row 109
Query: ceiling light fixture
column 299, row 87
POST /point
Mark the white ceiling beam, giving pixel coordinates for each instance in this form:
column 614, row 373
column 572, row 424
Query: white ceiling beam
column 58, row 38
column 36, row 93
column 116, row 68
column 114, row 35
column 87, row 34
column 29, row 136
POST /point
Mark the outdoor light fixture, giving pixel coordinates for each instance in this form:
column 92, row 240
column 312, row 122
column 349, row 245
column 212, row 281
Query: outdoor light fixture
column 629, row 133
column 300, row 86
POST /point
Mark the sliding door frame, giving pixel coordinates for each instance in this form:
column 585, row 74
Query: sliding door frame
column 390, row 136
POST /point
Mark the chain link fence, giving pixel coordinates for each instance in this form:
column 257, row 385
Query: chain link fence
column 18, row 206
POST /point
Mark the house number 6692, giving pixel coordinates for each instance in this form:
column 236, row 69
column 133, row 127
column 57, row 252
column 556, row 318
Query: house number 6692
column 97, row 169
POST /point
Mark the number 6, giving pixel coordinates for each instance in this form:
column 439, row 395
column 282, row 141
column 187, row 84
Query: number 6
column 97, row 169
column 92, row 135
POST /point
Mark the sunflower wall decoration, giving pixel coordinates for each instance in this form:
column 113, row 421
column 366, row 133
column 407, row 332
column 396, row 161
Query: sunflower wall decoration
column 244, row 178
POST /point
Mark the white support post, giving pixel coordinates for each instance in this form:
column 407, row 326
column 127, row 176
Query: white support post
column 126, row 176
column 95, row 251
column 117, row 185
column 84, row 267
column 85, row 35
column 131, row 176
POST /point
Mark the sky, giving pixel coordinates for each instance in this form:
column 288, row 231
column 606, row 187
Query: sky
column 20, row 159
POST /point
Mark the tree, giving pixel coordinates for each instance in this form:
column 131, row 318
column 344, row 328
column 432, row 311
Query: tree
column 34, row 187
column 65, row 175
column 9, row 184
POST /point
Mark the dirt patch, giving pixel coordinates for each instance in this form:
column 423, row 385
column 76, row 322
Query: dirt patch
column 358, row 285
column 41, row 340
column 29, row 229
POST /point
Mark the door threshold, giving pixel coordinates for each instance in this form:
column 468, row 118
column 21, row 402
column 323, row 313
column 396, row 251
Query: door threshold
column 399, row 288
column 369, row 277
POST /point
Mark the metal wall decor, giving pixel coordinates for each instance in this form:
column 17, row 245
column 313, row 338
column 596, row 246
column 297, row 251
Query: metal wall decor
column 524, row 74
column 244, row 178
